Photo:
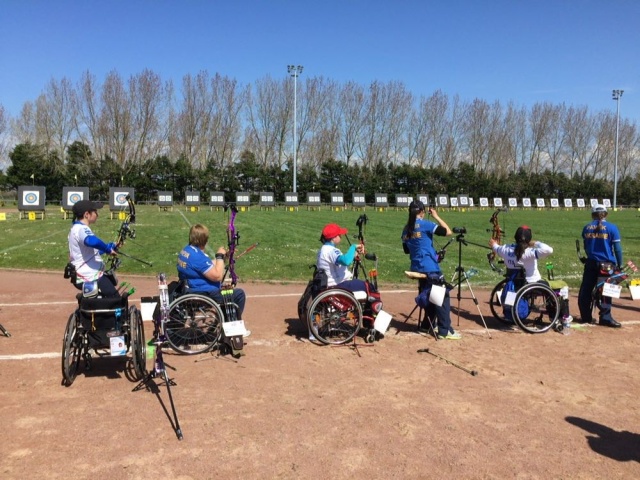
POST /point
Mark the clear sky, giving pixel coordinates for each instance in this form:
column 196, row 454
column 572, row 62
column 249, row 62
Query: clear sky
column 526, row 51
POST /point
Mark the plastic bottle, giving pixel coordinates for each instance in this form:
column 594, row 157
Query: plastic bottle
column 471, row 272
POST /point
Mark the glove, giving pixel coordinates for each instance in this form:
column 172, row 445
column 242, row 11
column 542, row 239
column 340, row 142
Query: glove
column 112, row 247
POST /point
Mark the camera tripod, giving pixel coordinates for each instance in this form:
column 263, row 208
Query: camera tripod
column 461, row 275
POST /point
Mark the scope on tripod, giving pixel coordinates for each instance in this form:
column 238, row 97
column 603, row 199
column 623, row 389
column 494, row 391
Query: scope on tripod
column 460, row 230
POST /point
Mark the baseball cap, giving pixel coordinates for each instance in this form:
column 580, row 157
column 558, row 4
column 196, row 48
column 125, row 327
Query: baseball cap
column 82, row 206
column 599, row 209
column 416, row 206
column 332, row 230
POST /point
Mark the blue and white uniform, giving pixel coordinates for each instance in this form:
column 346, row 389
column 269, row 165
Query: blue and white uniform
column 335, row 263
column 84, row 252
column 193, row 263
column 424, row 257
column 528, row 261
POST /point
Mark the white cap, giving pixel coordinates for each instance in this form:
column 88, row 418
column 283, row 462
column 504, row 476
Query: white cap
column 599, row 209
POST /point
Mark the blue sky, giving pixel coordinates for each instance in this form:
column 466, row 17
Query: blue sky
column 525, row 51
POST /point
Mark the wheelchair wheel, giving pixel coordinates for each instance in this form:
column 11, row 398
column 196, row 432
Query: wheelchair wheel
column 194, row 325
column 495, row 304
column 71, row 351
column 335, row 317
column 536, row 308
column 138, row 343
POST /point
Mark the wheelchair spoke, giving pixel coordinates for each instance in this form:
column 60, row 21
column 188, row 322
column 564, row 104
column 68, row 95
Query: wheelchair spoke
column 335, row 317
column 194, row 324
column 71, row 351
column 536, row 308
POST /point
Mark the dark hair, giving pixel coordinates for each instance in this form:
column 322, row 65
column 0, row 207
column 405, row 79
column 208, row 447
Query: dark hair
column 414, row 209
column 523, row 238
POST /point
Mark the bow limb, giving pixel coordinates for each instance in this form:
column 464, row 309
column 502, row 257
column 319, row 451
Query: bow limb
column 496, row 234
column 125, row 231
column 233, row 238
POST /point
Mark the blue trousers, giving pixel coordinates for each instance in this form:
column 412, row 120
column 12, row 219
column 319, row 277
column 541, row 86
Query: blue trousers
column 442, row 312
column 589, row 281
column 238, row 297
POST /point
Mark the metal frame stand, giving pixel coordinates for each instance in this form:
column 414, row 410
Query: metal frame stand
column 460, row 275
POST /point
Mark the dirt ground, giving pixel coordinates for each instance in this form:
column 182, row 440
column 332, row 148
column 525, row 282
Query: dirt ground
column 542, row 406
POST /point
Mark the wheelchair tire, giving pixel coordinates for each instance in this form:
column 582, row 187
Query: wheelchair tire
column 542, row 308
column 334, row 317
column 72, row 346
column 138, row 343
column 495, row 304
column 194, row 325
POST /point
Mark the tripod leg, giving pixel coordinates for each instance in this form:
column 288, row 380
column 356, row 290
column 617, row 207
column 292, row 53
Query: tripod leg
column 475, row 300
column 173, row 407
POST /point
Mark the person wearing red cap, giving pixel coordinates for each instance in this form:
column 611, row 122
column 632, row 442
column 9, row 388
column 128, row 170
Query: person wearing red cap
column 524, row 255
column 85, row 249
column 335, row 263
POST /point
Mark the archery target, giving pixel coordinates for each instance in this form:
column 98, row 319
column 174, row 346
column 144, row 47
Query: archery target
column 120, row 199
column 30, row 198
column 73, row 197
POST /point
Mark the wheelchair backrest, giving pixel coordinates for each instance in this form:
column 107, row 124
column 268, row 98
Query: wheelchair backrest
column 102, row 313
column 177, row 289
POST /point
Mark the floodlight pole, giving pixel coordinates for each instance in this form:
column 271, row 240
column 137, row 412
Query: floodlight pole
column 616, row 96
column 294, row 71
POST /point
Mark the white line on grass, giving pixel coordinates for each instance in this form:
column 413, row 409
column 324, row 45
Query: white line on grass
column 29, row 242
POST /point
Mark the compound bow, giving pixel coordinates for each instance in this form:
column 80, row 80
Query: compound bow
column 233, row 240
column 361, row 223
column 125, row 231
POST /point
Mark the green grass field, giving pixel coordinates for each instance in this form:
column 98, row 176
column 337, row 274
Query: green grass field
column 288, row 241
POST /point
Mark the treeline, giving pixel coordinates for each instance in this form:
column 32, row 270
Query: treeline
column 216, row 126
column 31, row 164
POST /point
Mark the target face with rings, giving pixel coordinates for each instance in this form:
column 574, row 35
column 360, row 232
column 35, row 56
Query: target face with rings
column 31, row 197
column 74, row 197
column 121, row 198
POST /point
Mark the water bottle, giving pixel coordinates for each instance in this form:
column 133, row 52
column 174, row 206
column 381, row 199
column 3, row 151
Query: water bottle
column 151, row 350
column 471, row 272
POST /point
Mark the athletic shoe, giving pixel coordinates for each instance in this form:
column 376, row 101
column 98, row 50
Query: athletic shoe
column 610, row 323
column 450, row 336
column 567, row 319
column 246, row 333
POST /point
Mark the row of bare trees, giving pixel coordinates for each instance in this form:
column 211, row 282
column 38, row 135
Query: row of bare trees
column 212, row 120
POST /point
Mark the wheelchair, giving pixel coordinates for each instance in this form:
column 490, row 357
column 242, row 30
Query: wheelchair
column 108, row 327
column 610, row 274
column 335, row 315
column 535, row 307
column 195, row 323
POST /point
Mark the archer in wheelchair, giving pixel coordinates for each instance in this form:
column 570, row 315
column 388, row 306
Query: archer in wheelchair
column 417, row 242
column 85, row 250
column 533, row 303
column 204, row 308
column 337, row 304
column 103, row 323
